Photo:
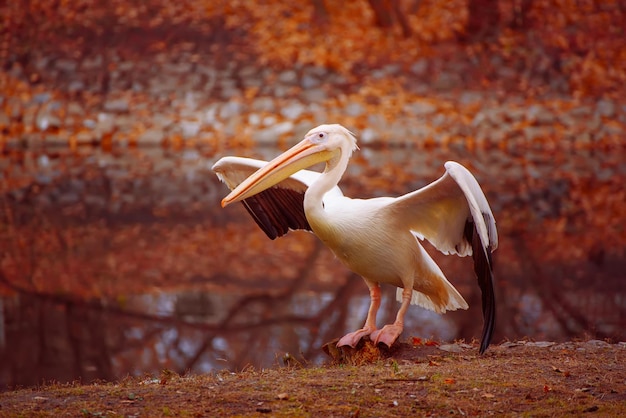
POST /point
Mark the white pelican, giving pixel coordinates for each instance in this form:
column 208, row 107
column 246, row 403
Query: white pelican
column 376, row 238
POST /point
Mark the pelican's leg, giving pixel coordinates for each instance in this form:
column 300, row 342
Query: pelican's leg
column 390, row 333
column 353, row 338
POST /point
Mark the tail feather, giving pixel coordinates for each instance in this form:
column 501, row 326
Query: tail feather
column 447, row 298
column 455, row 300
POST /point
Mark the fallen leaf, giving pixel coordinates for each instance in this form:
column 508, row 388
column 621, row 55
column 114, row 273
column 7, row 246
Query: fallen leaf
column 282, row 396
column 556, row 369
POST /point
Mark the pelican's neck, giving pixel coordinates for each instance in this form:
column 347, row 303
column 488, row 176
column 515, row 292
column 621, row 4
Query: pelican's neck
column 313, row 205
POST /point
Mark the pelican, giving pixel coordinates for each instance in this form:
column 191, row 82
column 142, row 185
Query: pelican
column 377, row 238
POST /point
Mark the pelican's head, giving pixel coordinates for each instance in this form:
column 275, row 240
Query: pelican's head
column 326, row 143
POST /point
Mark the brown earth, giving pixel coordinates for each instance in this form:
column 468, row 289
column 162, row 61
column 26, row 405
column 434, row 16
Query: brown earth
column 426, row 379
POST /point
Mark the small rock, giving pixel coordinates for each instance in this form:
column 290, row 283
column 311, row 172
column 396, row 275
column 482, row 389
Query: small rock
column 540, row 115
column 564, row 346
column 151, row 137
column 533, row 132
column 540, row 344
column 420, row 133
column 4, row 120
column 567, row 119
column 66, row 65
column 92, row 63
column 378, row 121
column 268, row 120
column 84, row 138
column 68, row 198
column 378, row 74
column 447, row 81
column 320, row 114
column 42, row 98
column 54, row 140
column 247, row 72
column 318, row 71
column 392, row 69
column 14, row 107
column 355, row 109
column 271, row 135
column 420, row 67
column 605, row 108
column 126, row 66
column 230, row 109
column 479, row 118
column 119, row 105
column 41, row 62
column 280, row 90
column 292, row 110
column 263, row 104
column 594, row 123
column 228, row 89
column 309, row 82
column 74, row 108
column 470, row 97
column 288, row 77
column 190, row 128
column 368, row 135
column 45, row 121
column 314, row 95
column 254, row 119
column 451, row 348
column 210, row 114
column 581, row 112
column 178, row 68
column 421, row 108
column 596, row 344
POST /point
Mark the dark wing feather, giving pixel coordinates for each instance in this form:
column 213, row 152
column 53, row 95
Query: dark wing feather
column 276, row 210
column 483, row 267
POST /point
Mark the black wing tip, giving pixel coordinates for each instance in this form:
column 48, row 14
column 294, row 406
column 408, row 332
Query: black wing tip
column 483, row 267
column 489, row 320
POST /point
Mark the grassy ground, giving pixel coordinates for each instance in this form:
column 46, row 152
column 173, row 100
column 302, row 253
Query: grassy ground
column 513, row 379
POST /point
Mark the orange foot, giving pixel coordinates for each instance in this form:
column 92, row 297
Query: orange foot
column 387, row 334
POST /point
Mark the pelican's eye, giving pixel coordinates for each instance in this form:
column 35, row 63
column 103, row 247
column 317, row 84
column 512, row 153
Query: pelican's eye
column 319, row 137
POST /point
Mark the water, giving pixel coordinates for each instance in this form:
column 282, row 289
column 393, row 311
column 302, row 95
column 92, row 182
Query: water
column 125, row 263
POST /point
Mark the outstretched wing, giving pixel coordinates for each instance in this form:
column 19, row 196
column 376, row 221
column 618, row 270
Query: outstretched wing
column 276, row 210
column 453, row 214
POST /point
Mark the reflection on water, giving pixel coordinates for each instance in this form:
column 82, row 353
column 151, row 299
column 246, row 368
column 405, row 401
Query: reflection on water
column 126, row 264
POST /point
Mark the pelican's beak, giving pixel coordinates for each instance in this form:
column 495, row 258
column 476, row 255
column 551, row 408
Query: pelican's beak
column 302, row 155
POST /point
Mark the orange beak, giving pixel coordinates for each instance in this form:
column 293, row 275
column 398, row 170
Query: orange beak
column 300, row 156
